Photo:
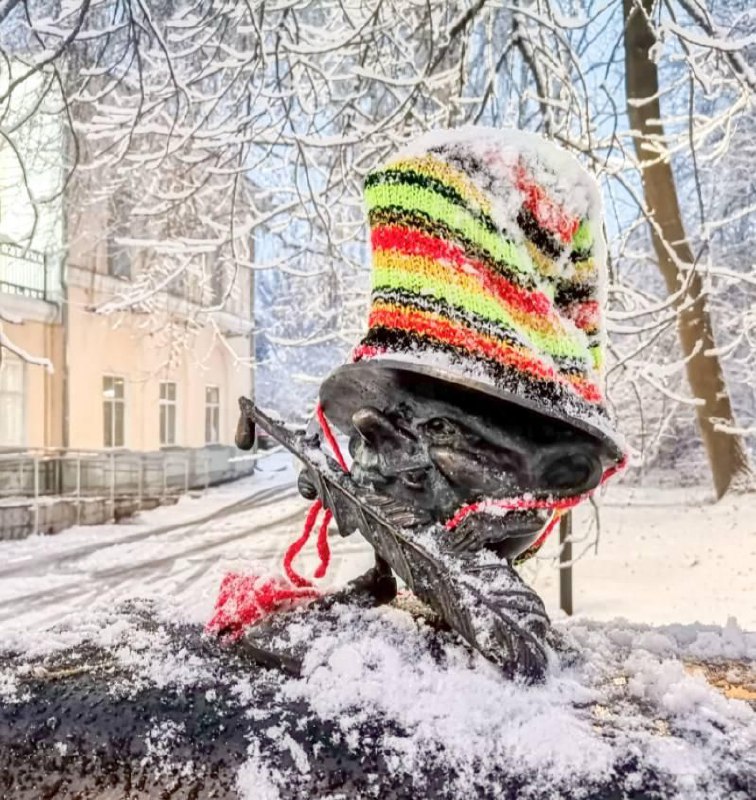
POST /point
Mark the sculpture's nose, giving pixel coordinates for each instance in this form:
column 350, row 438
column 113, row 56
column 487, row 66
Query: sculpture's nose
column 459, row 468
column 374, row 427
column 483, row 473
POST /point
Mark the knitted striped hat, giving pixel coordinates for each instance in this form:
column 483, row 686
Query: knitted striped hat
column 489, row 270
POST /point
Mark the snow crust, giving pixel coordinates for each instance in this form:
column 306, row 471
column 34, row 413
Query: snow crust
column 557, row 170
column 639, row 689
column 631, row 695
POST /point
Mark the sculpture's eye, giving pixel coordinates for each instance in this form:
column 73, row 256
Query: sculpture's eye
column 414, row 478
column 439, row 427
column 575, row 471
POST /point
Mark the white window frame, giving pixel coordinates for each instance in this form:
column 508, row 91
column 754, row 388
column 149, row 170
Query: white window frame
column 8, row 358
column 212, row 410
column 168, row 405
column 113, row 402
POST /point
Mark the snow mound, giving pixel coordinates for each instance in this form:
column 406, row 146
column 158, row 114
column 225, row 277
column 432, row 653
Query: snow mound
column 643, row 709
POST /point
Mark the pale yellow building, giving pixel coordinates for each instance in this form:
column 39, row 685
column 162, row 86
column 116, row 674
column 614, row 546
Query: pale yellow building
column 166, row 372
column 116, row 381
column 141, row 381
column 31, row 397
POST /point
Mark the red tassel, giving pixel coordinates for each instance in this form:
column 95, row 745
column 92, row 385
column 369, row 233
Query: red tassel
column 244, row 600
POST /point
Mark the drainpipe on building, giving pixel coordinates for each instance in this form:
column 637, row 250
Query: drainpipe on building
column 68, row 144
column 64, row 323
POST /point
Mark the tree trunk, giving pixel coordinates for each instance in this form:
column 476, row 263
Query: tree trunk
column 727, row 453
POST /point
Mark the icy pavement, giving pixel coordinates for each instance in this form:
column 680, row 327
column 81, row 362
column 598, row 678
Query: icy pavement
column 179, row 553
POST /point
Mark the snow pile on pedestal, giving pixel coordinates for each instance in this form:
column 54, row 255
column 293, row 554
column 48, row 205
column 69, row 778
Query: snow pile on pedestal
column 413, row 709
column 630, row 695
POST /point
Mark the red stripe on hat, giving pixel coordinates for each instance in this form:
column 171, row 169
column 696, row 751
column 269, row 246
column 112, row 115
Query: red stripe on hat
column 456, row 335
column 549, row 214
column 585, row 315
column 411, row 242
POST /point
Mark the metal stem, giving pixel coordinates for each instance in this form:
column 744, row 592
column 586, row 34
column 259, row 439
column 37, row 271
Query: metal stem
column 565, row 563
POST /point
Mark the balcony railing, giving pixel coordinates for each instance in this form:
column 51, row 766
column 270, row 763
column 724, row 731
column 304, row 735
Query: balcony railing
column 117, row 477
column 22, row 272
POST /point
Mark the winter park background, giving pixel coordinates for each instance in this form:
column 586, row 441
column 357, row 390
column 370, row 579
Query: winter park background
column 181, row 222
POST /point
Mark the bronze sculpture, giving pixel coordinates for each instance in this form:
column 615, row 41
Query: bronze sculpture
column 473, row 406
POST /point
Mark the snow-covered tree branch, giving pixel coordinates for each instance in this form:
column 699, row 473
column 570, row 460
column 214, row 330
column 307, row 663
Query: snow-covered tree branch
column 221, row 138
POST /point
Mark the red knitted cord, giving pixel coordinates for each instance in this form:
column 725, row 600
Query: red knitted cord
column 512, row 504
column 525, row 504
column 330, row 438
column 546, row 531
column 296, row 546
column 324, row 550
column 244, row 600
column 366, row 352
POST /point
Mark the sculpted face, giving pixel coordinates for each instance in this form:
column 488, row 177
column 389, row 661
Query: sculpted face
column 440, row 449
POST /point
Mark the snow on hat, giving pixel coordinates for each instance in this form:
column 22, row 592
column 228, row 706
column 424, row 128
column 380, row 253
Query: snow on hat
column 488, row 271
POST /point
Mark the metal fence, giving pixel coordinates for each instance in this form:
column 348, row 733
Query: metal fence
column 121, row 478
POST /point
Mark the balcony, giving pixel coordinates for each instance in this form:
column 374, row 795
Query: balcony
column 22, row 272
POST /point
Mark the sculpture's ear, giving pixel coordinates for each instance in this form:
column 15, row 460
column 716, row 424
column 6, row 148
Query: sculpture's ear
column 570, row 468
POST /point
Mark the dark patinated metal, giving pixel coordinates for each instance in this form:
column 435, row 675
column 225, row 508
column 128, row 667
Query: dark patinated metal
column 482, row 598
column 440, row 447
column 437, row 447
column 424, row 450
column 370, row 383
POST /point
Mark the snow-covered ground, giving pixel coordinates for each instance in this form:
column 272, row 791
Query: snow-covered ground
column 177, row 553
column 664, row 556
column 639, row 695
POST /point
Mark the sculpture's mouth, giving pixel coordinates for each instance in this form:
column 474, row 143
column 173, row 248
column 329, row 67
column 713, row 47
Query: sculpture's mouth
column 521, row 523
column 508, row 532
column 500, row 514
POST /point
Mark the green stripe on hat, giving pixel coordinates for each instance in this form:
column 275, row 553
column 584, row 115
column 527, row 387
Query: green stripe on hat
column 416, row 198
column 395, row 277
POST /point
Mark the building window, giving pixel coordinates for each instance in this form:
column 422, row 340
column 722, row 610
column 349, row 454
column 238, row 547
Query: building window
column 167, row 413
column 12, row 391
column 212, row 415
column 113, row 411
